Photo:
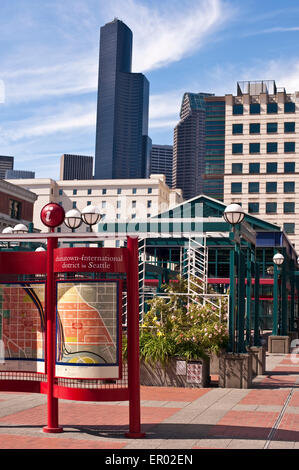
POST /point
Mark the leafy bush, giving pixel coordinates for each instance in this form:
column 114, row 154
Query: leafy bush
column 174, row 326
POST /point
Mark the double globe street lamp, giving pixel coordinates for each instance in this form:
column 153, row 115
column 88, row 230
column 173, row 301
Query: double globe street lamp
column 90, row 216
column 19, row 228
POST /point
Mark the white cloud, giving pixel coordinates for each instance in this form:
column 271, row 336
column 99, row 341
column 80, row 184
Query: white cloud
column 167, row 34
column 72, row 120
column 67, row 78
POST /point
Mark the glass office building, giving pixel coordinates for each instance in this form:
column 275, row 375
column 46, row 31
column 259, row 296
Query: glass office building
column 122, row 110
column 199, row 144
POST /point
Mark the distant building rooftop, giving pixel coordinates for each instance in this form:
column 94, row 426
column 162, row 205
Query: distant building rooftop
column 257, row 87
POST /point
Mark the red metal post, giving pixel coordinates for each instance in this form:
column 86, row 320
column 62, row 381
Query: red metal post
column 133, row 341
column 52, row 426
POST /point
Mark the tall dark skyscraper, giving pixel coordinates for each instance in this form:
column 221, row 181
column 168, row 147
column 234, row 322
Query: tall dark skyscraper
column 161, row 161
column 122, row 142
column 76, row 167
column 6, row 163
column 189, row 146
column 198, row 151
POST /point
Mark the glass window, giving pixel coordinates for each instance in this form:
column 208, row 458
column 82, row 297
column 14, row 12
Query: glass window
column 134, row 190
column 254, row 128
column 289, row 227
column 289, row 107
column 271, row 207
column 89, row 191
column 74, row 192
column 60, row 192
column 237, row 148
column 254, row 168
column 289, row 207
column 88, row 203
column 104, row 191
column 271, row 187
column 254, row 147
column 289, row 186
column 119, row 191
column 253, row 207
column 74, row 204
column 149, row 190
column 236, row 187
column 272, row 108
column 237, row 109
column 133, row 204
column 289, row 147
column 289, row 167
column 15, row 209
column 271, row 127
column 289, row 127
column 271, row 167
column 255, row 108
column 253, row 187
column 149, row 203
column 118, row 204
column 237, row 128
column 133, row 216
column 271, row 147
column 237, row 168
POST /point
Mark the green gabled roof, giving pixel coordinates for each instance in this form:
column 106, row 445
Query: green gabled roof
column 211, row 208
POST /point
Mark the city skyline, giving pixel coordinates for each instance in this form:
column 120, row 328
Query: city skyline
column 49, row 61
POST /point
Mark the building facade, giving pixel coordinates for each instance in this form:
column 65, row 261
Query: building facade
column 122, row 148
column 189, row 146
column 76, row 167
column 198, row 150
column 117, row 199
column 6, row 163
column 161, row 161
column 261, row 154
column 215, row 147
column 19, row 174
column 16, row 205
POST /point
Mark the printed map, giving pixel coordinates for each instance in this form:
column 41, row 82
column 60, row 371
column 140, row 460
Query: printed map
column 87, row 322
column 22, row 320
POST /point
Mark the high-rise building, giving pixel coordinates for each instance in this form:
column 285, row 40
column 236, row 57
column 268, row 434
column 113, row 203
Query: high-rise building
column 161, row 161
column 76, row 167
column 6, row 163
column 19, row 174
column 199, row 140
column 261, row 148
column 122, row 143
column 189, row 146
column 215, row 146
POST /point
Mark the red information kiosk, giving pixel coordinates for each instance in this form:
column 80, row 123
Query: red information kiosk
column 60, row 323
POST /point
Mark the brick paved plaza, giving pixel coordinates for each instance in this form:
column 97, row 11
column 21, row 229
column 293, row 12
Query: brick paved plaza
column 263, row 417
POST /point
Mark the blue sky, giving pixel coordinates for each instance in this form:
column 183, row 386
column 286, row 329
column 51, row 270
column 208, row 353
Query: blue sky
column 49, row 64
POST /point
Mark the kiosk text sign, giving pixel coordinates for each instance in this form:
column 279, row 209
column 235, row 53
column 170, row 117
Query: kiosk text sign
column 112, row 260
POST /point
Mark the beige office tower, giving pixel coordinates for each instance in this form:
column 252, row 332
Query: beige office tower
column 261, row 153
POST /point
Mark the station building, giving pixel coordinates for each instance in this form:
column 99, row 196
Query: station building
column 193, row 238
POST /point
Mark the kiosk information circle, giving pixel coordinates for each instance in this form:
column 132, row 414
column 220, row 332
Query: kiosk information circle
column 52, row 215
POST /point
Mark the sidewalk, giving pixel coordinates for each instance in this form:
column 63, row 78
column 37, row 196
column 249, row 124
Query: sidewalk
column 263, row 417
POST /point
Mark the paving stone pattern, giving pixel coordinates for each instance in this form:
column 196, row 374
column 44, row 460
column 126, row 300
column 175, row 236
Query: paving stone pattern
column 265, row 416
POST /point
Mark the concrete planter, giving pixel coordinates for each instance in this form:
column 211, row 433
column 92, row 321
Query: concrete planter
column 258, row 359
column 279, row 344
column 214, row 362
column 235, row 370
column 176, row 373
